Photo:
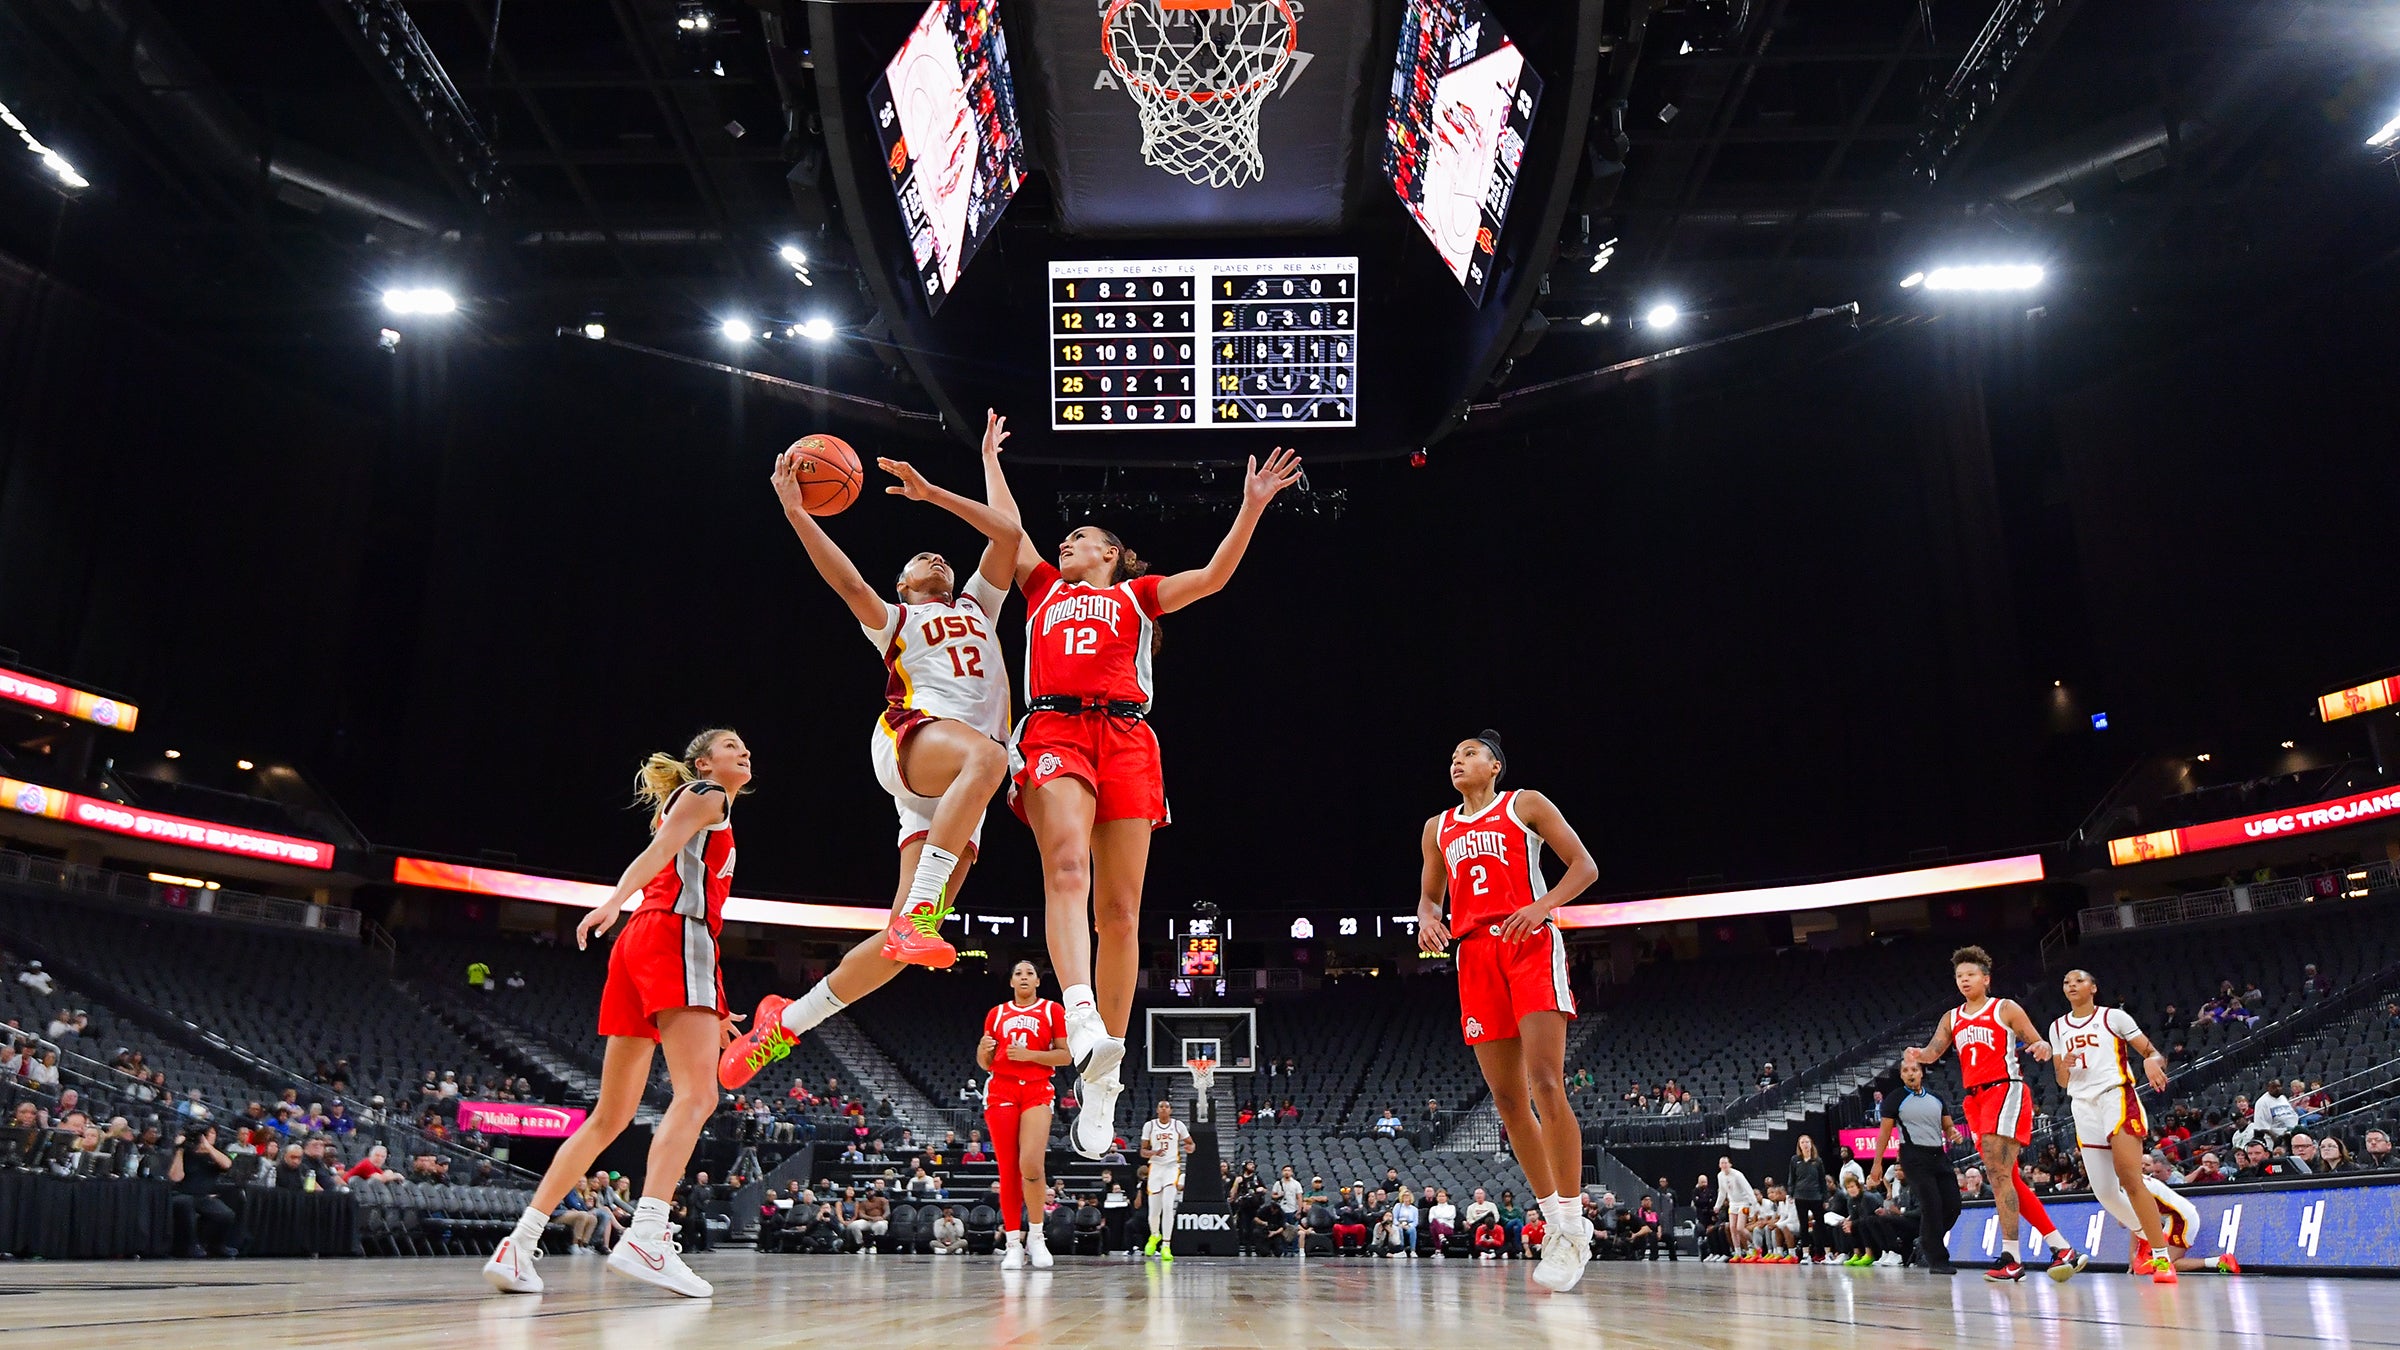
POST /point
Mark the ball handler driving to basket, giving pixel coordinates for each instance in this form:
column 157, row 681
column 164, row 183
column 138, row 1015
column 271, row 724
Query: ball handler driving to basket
column 1513, row 999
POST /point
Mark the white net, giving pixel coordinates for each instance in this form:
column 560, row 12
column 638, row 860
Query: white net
column 1199, row 78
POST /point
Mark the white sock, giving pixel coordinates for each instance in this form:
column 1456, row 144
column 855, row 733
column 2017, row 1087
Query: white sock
column 934, row 866
column 1556, row 1214
column 2009, row 1245
column 803, row 1013
column 1078, row 999
column 649, row 1218
column 1016, row 1237
column 529, row 1228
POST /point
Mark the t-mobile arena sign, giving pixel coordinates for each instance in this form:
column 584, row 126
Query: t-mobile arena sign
column 530, row 1120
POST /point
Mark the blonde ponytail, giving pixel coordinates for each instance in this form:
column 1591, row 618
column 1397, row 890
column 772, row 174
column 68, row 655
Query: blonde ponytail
column 661, row 774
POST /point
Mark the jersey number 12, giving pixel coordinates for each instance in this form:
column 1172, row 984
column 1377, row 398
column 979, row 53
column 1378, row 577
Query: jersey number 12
column 1081, row 641
column 966, row 662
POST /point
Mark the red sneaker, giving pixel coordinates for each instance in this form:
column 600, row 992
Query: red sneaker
column 912, row 946
column 2162, row 1271
column 765, row 1042
column 2228, row 1265
column 2008, row 1269
column 2140, row 1263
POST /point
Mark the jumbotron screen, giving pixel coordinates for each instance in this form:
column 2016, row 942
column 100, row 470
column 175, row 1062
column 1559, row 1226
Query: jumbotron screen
column 1206, row 342
column 946, row 109
column 1203, row 956
column 1462, row 105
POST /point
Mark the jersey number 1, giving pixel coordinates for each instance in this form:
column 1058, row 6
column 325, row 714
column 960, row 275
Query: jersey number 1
column 970, row 667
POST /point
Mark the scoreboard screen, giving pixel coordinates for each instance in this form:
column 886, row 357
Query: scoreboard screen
column 1203, row 956
column 1462, row 106
column 1230, row 342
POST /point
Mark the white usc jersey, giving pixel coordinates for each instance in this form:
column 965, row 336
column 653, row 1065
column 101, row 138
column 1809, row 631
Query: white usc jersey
column 943, row 660
column 2098, row 1053
column 1167, row 1168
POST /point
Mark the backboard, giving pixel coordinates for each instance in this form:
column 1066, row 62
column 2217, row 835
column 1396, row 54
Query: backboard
column 1175, row 1036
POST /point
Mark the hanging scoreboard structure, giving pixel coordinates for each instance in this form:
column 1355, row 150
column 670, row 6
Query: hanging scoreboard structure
column 1227, row 342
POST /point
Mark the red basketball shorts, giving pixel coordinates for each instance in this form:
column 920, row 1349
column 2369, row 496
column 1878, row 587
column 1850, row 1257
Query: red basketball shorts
column 662, row 960
column 1499, row 982
column 1116, row 757
column 2004, row 1109
column 1005, row 1093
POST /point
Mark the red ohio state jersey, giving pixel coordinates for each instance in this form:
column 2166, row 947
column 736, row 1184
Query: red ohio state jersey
column 1987, row 1049
column 1038, row 1025
column 1495, row 863
column 696, row 883
column 1092, row 642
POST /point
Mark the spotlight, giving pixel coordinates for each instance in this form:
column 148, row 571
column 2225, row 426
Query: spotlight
column 2287, row 745
column 420, row 300
column 819, row 329
column 174, row 754
column 1602, row 255
column 1985, row 277
column 388, row 339
column 1663, row 316
column 1595, row 319
column 51, row 160
column 595, row 331
column 735, row 330
column 792, row 256
column 243, row 764
column 1912, row 280
column 2205, row 757
column 2390, row 135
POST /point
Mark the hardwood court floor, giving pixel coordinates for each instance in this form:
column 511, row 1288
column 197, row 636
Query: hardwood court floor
column 783, row 1301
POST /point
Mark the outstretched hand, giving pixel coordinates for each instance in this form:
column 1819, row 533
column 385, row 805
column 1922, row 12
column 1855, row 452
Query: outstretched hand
column 1281, row 470
column 995, row 431
column 786, row 481
column 912, row 484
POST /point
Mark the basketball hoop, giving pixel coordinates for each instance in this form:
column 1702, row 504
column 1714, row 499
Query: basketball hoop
column 1204, row 1077
column 1198, row 71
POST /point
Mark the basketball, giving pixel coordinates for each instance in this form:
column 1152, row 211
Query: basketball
column 829, row 474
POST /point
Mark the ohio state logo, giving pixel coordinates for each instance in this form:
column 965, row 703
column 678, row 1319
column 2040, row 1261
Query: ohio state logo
column 1474, row 1027
column 1046, row 765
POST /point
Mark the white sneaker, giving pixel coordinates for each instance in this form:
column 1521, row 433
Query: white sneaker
column 1888, row 1259
column 1094, row 1053
column 511, row 1268
column 1095, row 1129
column 1014, row 1257
column 1037, row 1250
column 1565, row 1252
column 658, row 1261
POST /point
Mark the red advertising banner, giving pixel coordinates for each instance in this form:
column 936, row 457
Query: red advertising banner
column 532, row 1120
column 2359, row 698
column 2331, row 815
column 444, row 876
column 32, row 690
column 1810, row 895
column 92, row 813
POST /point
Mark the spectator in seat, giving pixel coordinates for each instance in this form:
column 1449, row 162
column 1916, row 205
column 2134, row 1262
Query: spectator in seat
column 922, row 1185
column 949, row 1233
column 36, row 979
column 2377, row 1156
column 1649, row 1236
column 1479, row 1209
column 2310, row 1100
column 1490, row 1238
column 2332, row 1156
column 975, row 1150
column 1512, row 1222
column 582, row 1221
column 2255, row 1161
column 1441, row 1220
column 1429, row 1124
column 1387, row 1125
column 2206, row 1172
column 43, row 1073
column 372, row 1167
column 2274, row 1112
column 1405, row 1219
column 874, row 1218
column 2302, row 1159
column 1349, row 1223
column 1767, row 1077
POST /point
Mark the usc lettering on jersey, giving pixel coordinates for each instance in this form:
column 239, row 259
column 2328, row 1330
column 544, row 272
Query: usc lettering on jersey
column 2098, row 1053
column 1092, row 642
column 942, row 659
column 1494, row 862
column 699, row 878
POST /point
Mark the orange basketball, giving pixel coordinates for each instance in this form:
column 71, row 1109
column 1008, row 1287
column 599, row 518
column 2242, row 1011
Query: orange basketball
column 829, row 474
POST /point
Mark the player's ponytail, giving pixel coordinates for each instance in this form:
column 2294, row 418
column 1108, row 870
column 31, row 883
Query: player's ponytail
column 661, row 774
column 1130, row 565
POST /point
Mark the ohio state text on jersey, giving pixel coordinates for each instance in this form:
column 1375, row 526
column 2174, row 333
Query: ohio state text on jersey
column 1494, row 860
column 1092, row 642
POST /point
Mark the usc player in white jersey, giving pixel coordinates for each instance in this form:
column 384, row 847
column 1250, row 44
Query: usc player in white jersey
column 1513, row 999
column 936, row 746
column 2092, row 1048
column 2180, row 1218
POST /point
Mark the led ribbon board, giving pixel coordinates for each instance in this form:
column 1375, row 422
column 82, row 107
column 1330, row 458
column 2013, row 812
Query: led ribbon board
column 18, row 687
column 92, row 813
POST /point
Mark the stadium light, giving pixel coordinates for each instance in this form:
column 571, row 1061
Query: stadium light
column 420, row 300
column 1595, row 318
column 2390, row 135
column 2287, row 745
column 243, row 764
column 1663, row 316
column 819, row 329
column 792, row 256
column 174, row 754
column 55, row 162
column 595, row 331
column 1985, row 277
column 735, row 330
column 1912, row 280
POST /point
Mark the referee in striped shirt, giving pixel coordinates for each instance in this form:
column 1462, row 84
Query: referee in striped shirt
column 1926, row 1130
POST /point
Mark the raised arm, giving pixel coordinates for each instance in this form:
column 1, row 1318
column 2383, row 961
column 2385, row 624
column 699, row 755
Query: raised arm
column 869, row 608
column 1432, row 935
column 692, row 813
column 995, row 491
column 1544, row 819
column 1259, row 486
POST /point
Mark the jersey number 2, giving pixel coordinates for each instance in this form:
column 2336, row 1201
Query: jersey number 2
column 970, row 666
column 1081, row 641
column 1482, row 882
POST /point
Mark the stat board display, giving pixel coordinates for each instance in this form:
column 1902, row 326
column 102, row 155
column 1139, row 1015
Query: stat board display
column 1226, row 342
column 946, row 110
column 1462, row 105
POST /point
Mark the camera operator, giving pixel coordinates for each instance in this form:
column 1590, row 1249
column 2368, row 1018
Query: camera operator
column 196, row 1173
